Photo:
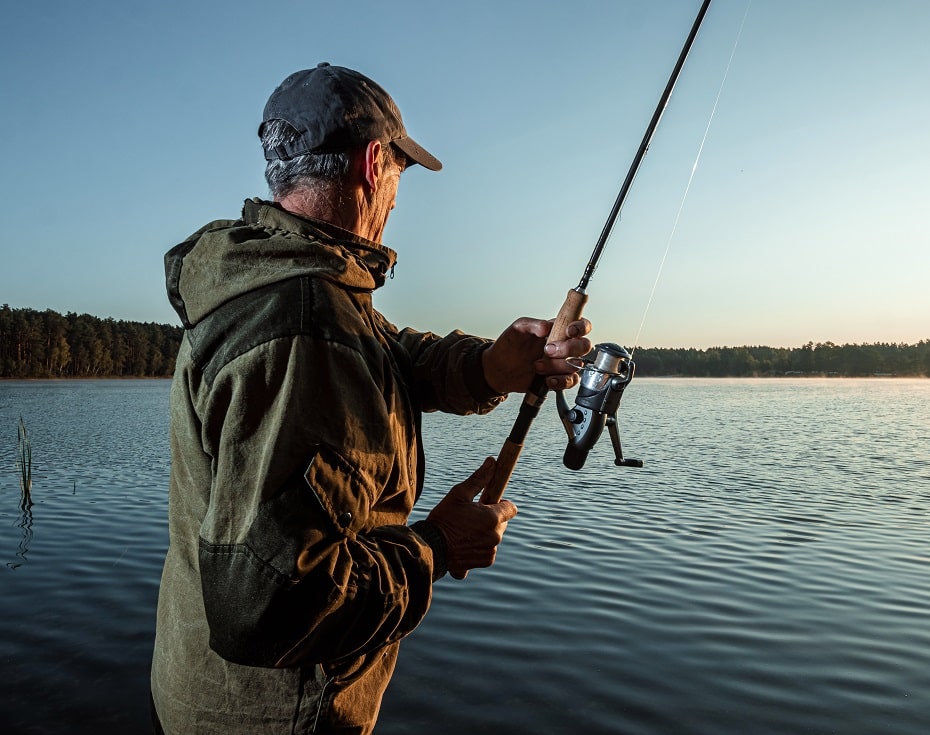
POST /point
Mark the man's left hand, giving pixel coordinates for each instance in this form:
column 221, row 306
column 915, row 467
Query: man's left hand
column 521, row 352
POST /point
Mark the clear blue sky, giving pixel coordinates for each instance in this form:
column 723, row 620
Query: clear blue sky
column 128, row 125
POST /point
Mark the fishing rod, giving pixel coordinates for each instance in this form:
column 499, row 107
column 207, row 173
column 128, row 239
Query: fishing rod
column 606, row 373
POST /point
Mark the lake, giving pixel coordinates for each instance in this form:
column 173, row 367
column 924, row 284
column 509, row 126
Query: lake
column 766, row 571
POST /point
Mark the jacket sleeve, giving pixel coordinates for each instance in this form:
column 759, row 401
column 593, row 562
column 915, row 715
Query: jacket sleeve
column 447, row 372
column 296, row 565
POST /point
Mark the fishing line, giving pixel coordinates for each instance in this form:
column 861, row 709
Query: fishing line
column 668, row 244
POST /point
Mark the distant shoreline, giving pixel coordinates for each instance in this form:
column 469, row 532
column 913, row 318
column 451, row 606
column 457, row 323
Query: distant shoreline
column 47, row 345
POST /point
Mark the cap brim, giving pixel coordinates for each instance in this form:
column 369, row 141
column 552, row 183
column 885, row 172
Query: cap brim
column 418, row 154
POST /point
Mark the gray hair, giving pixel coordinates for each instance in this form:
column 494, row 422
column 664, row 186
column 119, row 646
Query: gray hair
column 315, row 171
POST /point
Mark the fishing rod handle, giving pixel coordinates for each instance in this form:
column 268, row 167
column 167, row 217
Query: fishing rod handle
column 513, row 445
column 506, row 461
column 570, row 312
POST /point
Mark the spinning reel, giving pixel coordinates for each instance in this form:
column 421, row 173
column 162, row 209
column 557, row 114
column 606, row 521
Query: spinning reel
column 605, row 372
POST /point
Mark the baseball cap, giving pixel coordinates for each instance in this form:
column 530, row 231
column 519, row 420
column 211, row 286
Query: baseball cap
column 334, row 109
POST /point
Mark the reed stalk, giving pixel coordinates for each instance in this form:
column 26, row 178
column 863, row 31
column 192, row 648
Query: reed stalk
column 25, row 464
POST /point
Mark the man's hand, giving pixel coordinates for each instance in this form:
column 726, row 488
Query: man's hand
column 521, row 352
column 472, row 530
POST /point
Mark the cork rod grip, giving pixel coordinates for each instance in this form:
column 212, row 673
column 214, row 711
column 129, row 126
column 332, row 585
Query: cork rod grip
column 510, row 452
column 506, row 461
column 570, row 312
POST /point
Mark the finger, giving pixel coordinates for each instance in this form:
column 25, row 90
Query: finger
column 535, row 327
column 470, row 488
column 508, row 511
column 579, row 328
column 561, row 382
column 555, row 368
column 575, row 347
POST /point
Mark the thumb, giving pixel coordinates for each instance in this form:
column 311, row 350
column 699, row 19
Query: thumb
column 535, row 327
column 470, row 488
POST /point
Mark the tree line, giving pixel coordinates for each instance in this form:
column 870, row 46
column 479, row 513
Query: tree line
column 823, row 358
column 46, row 344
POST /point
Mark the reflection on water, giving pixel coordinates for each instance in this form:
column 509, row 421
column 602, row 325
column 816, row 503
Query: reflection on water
column 25, row 525
column 24, row 464
column 758, row 575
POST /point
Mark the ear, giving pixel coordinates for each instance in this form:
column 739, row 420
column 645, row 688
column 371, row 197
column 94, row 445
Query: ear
column 374, row 164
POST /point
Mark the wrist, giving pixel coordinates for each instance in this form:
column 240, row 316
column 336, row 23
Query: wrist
column 486, row 362
column 436, row 540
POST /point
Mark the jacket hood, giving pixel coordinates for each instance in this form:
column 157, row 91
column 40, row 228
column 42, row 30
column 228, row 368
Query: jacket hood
column 227, row 258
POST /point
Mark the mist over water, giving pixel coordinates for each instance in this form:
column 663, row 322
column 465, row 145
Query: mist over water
column 765, row 572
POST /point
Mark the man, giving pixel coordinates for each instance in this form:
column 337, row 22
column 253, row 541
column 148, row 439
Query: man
column 291, row 574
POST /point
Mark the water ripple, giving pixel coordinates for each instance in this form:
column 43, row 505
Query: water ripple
column 765, row 572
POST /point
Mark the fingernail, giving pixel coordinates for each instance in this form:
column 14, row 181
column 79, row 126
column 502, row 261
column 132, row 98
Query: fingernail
column 550, row 349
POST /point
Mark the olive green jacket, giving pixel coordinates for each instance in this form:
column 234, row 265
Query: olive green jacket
column 291, row 574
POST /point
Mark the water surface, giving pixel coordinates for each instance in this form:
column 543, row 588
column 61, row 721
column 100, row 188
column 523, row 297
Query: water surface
column 765, row 572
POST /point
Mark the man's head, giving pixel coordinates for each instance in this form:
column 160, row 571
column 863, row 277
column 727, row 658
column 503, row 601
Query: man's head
column 335, row 109
column 316, row 118
column 335, row 145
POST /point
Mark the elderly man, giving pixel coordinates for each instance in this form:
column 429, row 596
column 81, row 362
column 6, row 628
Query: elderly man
column 292, row 574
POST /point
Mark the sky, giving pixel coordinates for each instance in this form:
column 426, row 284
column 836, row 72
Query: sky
column 128, row 125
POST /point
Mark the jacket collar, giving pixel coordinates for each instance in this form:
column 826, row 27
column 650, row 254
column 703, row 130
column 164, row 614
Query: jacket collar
column 379, row 259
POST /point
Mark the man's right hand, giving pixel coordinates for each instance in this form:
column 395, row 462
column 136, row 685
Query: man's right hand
column 472, row 529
